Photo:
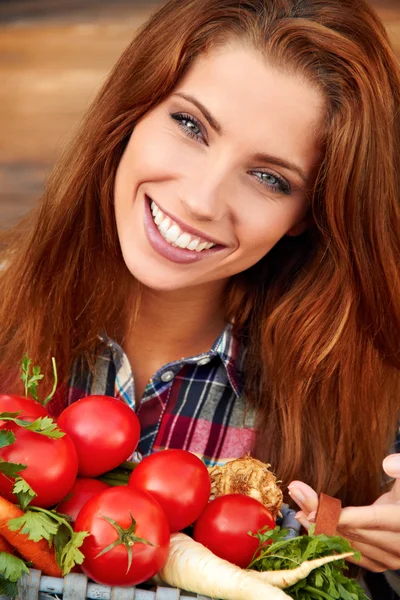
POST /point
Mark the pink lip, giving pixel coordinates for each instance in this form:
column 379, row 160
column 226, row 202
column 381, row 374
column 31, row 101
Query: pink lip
column 175, row 254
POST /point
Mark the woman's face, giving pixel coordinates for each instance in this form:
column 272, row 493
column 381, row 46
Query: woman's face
column 214, row 176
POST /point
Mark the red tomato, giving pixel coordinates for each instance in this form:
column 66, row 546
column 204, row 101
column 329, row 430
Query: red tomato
column 120, row 503
column 83, row 489
column 223, row 527
column 30, row 409
column 105, row 432
column 178, row 480
column 52, row 465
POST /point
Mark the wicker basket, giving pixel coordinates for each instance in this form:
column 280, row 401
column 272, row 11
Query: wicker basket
column 76, row 586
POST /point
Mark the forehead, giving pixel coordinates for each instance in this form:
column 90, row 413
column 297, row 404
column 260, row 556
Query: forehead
column 257, row 102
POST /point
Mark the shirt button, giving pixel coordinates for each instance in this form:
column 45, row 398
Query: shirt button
column 204, row 361
column 167, row 376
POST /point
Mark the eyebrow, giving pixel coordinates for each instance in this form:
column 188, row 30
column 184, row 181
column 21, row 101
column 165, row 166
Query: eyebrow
column 258, row 157
column 280, row 162
column 207, row 115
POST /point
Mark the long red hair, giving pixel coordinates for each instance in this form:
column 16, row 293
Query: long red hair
column 320, row 314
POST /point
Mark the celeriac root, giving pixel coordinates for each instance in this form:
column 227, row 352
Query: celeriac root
column 287, row 577
column 250, row 477
column 194, row 568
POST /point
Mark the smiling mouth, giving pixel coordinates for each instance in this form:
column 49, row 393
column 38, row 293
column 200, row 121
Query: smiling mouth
column 175, row 235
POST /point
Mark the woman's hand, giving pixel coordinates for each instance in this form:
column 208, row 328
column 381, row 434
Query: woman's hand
column 372, row 530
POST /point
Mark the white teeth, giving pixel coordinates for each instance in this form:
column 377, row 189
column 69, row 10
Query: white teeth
column 165, row 225
column 201, row 246
column 172, row 233
column 193, row 244
column 158, row 218
column 183, row 240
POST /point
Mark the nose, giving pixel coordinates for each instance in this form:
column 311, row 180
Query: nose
column 204, row 197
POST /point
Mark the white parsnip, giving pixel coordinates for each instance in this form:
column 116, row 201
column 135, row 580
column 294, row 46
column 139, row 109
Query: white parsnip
column 287, row 577
column 194, row 568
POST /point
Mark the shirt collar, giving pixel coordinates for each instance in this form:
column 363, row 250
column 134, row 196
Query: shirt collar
column 226, row 346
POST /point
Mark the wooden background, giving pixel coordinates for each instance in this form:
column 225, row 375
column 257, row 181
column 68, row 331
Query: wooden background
column 54, row 54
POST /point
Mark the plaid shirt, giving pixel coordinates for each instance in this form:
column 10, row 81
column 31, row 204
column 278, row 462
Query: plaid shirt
column 195, row 403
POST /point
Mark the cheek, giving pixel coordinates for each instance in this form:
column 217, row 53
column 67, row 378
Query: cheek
column 265, row 226
column 157, row 152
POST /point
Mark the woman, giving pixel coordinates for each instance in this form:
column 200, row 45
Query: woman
column 220, row 248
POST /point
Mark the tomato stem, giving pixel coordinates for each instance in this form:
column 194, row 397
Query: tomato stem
column 126, row 537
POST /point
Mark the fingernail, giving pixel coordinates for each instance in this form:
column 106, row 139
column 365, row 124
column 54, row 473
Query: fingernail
column 391, row 465
column 297, row 496
column 311, row 517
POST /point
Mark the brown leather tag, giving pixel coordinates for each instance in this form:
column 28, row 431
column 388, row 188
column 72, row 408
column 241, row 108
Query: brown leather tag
column 328, row 514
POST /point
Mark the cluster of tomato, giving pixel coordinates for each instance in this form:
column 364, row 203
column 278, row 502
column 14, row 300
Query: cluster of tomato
column 129, row 525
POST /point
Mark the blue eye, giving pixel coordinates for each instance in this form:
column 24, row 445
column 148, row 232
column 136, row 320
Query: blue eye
column 189, row 125
column 272, row 182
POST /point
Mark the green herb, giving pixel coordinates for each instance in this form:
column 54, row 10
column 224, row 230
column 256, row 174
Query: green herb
column 30, row 380
column 11, row 570
column 24, row 492
column 43, row 425
column 120, row 475
column 6, row 438
column 326, row 582
column 10, row 469
column 31, row 376
column 8, row 588
column 39, row 523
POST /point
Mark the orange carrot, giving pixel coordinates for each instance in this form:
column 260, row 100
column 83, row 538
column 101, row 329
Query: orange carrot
column 38, row 553
column 5, row 546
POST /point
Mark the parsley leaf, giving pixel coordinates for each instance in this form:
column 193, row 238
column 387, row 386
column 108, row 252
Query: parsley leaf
column 11, row 567
column 10, row 469
column 11, row 570
column 36, row 524
column 8, row 588
column 41, row 523
column 70, row 554
column 43, row 425
column 6, row 438
column 30, row 381
column 24, row 492
column 327, row 581
column 61, row 539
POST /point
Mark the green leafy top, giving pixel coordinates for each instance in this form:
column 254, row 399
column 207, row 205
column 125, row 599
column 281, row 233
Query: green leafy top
column 43, row 425
column 326, row 582
column 39, row 523
column 11, row 570
column 31, row 376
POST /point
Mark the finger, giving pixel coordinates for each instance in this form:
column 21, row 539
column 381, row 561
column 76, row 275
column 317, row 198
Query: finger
column 387, row 541
column 304, row 496
column 378, row 556
column 366, row 563
column 377, row 516
column 301, row 518
column 391, row 466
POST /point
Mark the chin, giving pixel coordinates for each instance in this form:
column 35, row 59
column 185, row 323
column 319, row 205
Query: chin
column 156, row 278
